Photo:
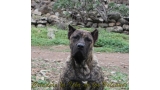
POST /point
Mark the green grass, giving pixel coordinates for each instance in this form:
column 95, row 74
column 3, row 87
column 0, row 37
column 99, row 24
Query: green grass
column 39, row 37
column 107, row 41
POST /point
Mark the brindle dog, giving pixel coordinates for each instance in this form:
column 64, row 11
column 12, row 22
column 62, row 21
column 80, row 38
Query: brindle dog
column 82, row 71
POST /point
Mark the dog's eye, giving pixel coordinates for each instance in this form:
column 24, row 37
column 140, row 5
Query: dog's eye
column 88, row 39
column 75, row 37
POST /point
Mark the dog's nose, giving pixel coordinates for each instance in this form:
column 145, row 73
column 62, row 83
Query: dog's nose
column 80, row 45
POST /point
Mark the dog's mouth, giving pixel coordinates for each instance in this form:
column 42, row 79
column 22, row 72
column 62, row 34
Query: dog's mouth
column 79, row 57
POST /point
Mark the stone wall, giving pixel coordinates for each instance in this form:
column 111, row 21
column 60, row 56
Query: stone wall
column 42, row 14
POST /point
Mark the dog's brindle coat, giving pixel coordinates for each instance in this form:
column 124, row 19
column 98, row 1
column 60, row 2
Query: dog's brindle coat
column 82, row 71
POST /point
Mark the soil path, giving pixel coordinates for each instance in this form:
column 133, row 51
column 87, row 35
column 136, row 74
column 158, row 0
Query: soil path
column 120, row 60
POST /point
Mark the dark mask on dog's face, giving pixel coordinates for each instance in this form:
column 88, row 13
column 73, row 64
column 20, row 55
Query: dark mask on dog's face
column 81, row 43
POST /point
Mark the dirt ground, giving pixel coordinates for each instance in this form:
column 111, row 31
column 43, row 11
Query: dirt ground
column 48, row 61
column 54, row 53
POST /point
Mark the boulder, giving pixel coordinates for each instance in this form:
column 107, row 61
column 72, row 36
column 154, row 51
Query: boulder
column 126, row 27
column 126, row 32
column 114, row 15
column 96, row 20
column 89, row 19
column 53, row 19
column 37, row 1
column 89, row 24
column 111, row 24
column 111, row 21
column 34, row 5
column 36, row 17
column 117, row 29
column 103, row 25
column 47, row 15
column 44, row 18
column 118, row 24
column 100, row 19
column 40, row 25
column 36, row 12
column 33, row 21
column 50, row 33
column 44, row 9
column 123, row 21
column 94, row 25
column 126, row 18
column 41, row 22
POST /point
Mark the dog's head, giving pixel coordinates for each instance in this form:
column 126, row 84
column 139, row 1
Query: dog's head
column 81, row 43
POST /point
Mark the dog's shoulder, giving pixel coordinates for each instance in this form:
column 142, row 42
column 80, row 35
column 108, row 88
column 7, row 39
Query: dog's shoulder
column 67, row 68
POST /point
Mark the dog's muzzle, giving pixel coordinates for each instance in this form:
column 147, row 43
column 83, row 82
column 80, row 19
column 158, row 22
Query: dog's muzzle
column 80, row 45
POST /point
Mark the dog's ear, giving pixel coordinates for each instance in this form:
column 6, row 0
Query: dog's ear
column 71, row 30
column 95, row 35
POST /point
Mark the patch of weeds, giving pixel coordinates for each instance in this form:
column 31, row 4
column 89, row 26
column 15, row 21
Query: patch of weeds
column 122, row 8
column 54, row 69
column 116, row 79
column 39, row 84
column 120, row 78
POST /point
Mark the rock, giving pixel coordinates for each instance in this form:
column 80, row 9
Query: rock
column 36, row 12
column 100, row 19
column 74, row 23
column 117, row 29
column 123, row 21
column 53, row 19
column 126, row 18
column 50, row 6
column 114, row 15
column 37, row 1
column 118, row 24
column 40, row 25
column 111, row 24
column 41, row 22
column 89, row 24
column 109, row 29
column 50, row 33
column 32, row 10
column 47, row 15
column 126, row 32
column 44, row 2
column 36, row 17
column 44, row 18
column 113, row 72
column 126, row 27
column 57, row 14
column 33, row 21
column 44, row 9
column 103, row 25
column 106, row 6
column 94, row 25
column 111, row 21
column 89, row 19
column 80, row 23
column 94, row 12
column 96, row 20
column 34, row 5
